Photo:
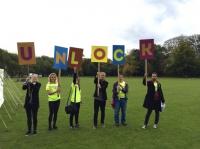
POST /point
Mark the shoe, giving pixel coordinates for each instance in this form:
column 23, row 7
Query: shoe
column 71, row 127
column 117, row 124
column 28, row 133
column 144, row 126
column 77, row 126
column 103, row 125
column 50, row 128
column 34, row 132
column 155, row 126
column 55, row 127
column 124, row 124
column 94, row 127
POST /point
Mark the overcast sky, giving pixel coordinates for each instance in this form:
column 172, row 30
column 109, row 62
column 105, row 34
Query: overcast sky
column 83, row 23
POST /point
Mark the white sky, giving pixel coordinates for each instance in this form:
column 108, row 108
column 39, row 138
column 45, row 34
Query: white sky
column 83, row 23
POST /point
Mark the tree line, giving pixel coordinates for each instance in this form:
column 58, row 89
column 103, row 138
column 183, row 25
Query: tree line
column 179, row 61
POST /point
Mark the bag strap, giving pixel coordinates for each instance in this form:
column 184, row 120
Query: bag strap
column 75, row 94
column 69, row 96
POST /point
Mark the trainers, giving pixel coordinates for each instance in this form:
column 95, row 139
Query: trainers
column 28, row 133
column 34, row 132
column 144, row 127
column 94, row 127
column 155, row 126
column 71, row 127
column 103, row 125
column 77, row 126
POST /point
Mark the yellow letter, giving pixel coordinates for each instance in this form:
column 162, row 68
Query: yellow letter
column 146, row 49
column 115, row 55
column 61, row 58
column 73, row 61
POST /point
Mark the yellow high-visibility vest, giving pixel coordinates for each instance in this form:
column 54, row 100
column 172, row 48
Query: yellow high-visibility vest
column 156, row 86
column 122, row 85
column 78, row 93
column 52, row 87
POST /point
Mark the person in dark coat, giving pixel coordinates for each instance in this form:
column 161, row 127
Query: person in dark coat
column 100, row 98
column 153, row 99
column 31, row 102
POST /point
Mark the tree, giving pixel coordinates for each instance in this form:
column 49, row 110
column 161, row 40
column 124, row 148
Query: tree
column 183, row 61
column 130, row 66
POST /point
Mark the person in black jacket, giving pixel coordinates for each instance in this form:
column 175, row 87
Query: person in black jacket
column 153, row 99
column 100, row 97
column 31, row 102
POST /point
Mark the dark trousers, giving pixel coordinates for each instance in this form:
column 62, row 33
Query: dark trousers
column 53, row 110
column 149, row 111
column 99, row 104
column 76, row 115
column 31, row 113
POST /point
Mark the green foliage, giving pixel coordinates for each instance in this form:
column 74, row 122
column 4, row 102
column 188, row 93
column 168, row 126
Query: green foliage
column 183, row 61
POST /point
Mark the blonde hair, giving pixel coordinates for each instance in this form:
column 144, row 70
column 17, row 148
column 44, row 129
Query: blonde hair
column 49, row 78
column 34, row 76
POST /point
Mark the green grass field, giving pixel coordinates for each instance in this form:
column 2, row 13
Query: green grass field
column 179, row 126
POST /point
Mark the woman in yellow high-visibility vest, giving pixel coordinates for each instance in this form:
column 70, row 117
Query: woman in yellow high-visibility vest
column 53, row 91
column 75, row 98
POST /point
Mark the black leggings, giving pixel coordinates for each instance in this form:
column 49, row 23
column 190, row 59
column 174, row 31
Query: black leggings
column 53, row 110
column 99, row 104
column 74, row 114
column 31, row 113
column 149, row 111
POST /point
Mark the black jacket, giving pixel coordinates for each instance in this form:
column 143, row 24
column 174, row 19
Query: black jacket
column 102, row 90
column 150, row 102
column 115, row 93
column 32, row 94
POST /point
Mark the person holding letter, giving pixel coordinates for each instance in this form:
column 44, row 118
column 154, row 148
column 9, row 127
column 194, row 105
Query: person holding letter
column 31, row 102
column 120, row 90
column 75, row 97
column 53, row 91
column 153, row 99
column 100, row 98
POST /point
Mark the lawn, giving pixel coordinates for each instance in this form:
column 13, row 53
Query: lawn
column 179, row 126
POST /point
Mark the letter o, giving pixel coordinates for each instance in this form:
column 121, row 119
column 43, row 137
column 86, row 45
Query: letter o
column 96, row 53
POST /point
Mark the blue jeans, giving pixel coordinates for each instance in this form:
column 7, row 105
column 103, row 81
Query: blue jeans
column 120, row 104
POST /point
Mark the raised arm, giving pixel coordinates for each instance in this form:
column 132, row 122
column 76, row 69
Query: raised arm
column 74, row 77
column 25, row 86
column 144, row 80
